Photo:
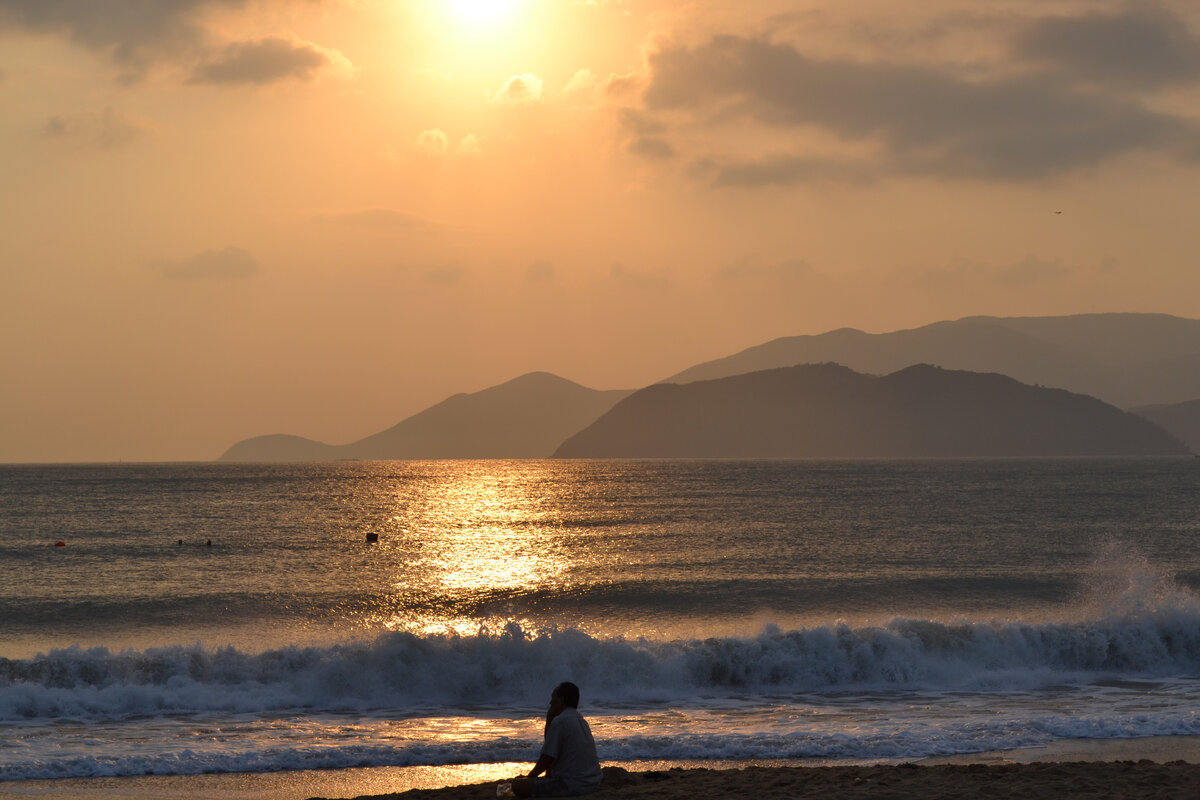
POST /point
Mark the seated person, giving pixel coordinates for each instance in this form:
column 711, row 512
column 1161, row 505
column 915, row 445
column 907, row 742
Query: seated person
column 568, row 754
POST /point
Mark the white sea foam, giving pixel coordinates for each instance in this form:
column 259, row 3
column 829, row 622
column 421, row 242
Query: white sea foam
column 140, row 752
column 404, row 672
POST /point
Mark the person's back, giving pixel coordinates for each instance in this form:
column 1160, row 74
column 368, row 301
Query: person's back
column 569, row 741
column 568, row 756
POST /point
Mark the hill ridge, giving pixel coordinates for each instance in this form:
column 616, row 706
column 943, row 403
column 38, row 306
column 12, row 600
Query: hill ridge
column 830, row 411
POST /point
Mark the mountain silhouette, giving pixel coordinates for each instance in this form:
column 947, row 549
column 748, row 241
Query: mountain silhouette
column 527, row 417
column 1181, row 420
column 831, row 411
column 279, row 447
column 1124, row 359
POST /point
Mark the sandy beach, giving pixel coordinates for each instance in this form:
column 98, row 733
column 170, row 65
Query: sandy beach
column 1158, row 767
column 1114, row 780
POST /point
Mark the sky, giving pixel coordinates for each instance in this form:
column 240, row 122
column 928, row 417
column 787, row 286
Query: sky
column 227, row 218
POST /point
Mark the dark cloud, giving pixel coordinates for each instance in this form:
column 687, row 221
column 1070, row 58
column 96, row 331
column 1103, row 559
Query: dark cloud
column 928, row 121
column 1145, row 46
column 646, row 133
column 133, row 33
column 640, row 123
column 781, row 170
column 651, row 147
column 108, row 130
column 262, row 61
column 232, row 262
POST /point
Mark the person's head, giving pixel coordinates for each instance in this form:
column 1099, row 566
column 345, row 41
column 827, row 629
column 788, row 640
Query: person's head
column 566, row 693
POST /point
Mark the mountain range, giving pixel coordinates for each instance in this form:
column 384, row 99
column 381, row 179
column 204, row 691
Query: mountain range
column 1124, row 359
column 1149, row 363
column 830, row 411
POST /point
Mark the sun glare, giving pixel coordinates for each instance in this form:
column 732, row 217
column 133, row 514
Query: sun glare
column 481, row 12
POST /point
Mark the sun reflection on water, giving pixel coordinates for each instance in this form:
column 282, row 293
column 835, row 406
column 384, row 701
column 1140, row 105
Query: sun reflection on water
column 483, row 535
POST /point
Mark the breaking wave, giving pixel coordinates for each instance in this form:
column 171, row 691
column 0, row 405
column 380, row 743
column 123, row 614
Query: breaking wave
column 403, row 672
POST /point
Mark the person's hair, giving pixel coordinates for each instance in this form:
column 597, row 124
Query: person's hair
column 569, row 693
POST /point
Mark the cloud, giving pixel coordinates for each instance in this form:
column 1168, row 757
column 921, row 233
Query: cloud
column 232, row 262
column 647, row 139
column 583, row 80
column 133, row 33
column 433, row 142
column 781, row 170
column 1028, row 272
column 753, row 268
column 1145, row 46
column 377, row 218
column 469, row 146
column 107, row 130
column 617, row 86
column 519, row 90
column 625, row 277
column 651, row 147
column 541, row 272
column 266, row 60
column 445, row 275
column 913, row 119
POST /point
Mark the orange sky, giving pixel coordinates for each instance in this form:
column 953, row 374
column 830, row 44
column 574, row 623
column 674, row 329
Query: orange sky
column 225, row 218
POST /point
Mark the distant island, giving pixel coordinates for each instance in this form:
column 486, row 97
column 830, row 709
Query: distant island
column 830, row 411
column 527, row 417
column 1148, row 364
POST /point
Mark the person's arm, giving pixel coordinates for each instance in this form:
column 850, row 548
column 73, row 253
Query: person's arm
column 523, row 787
column 543, row 764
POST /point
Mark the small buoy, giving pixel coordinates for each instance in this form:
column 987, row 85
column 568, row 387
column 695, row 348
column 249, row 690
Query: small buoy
column 372, row 537
column 60, row 544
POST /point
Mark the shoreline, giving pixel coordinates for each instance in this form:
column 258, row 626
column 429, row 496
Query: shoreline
column 1071, row 764
column 1041, row 780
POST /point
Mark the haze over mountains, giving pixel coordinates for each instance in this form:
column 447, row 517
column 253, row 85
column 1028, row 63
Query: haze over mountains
column 1124, row 359
column 527, row 417
column 1151, row 361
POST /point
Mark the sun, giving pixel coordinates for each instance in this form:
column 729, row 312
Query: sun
column 481, row 12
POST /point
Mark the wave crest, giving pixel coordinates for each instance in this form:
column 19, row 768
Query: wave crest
column 404, row 673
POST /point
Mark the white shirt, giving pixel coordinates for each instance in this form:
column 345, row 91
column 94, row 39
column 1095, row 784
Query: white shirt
column 569, row 742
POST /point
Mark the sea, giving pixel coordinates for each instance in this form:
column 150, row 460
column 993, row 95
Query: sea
column 182, row 622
